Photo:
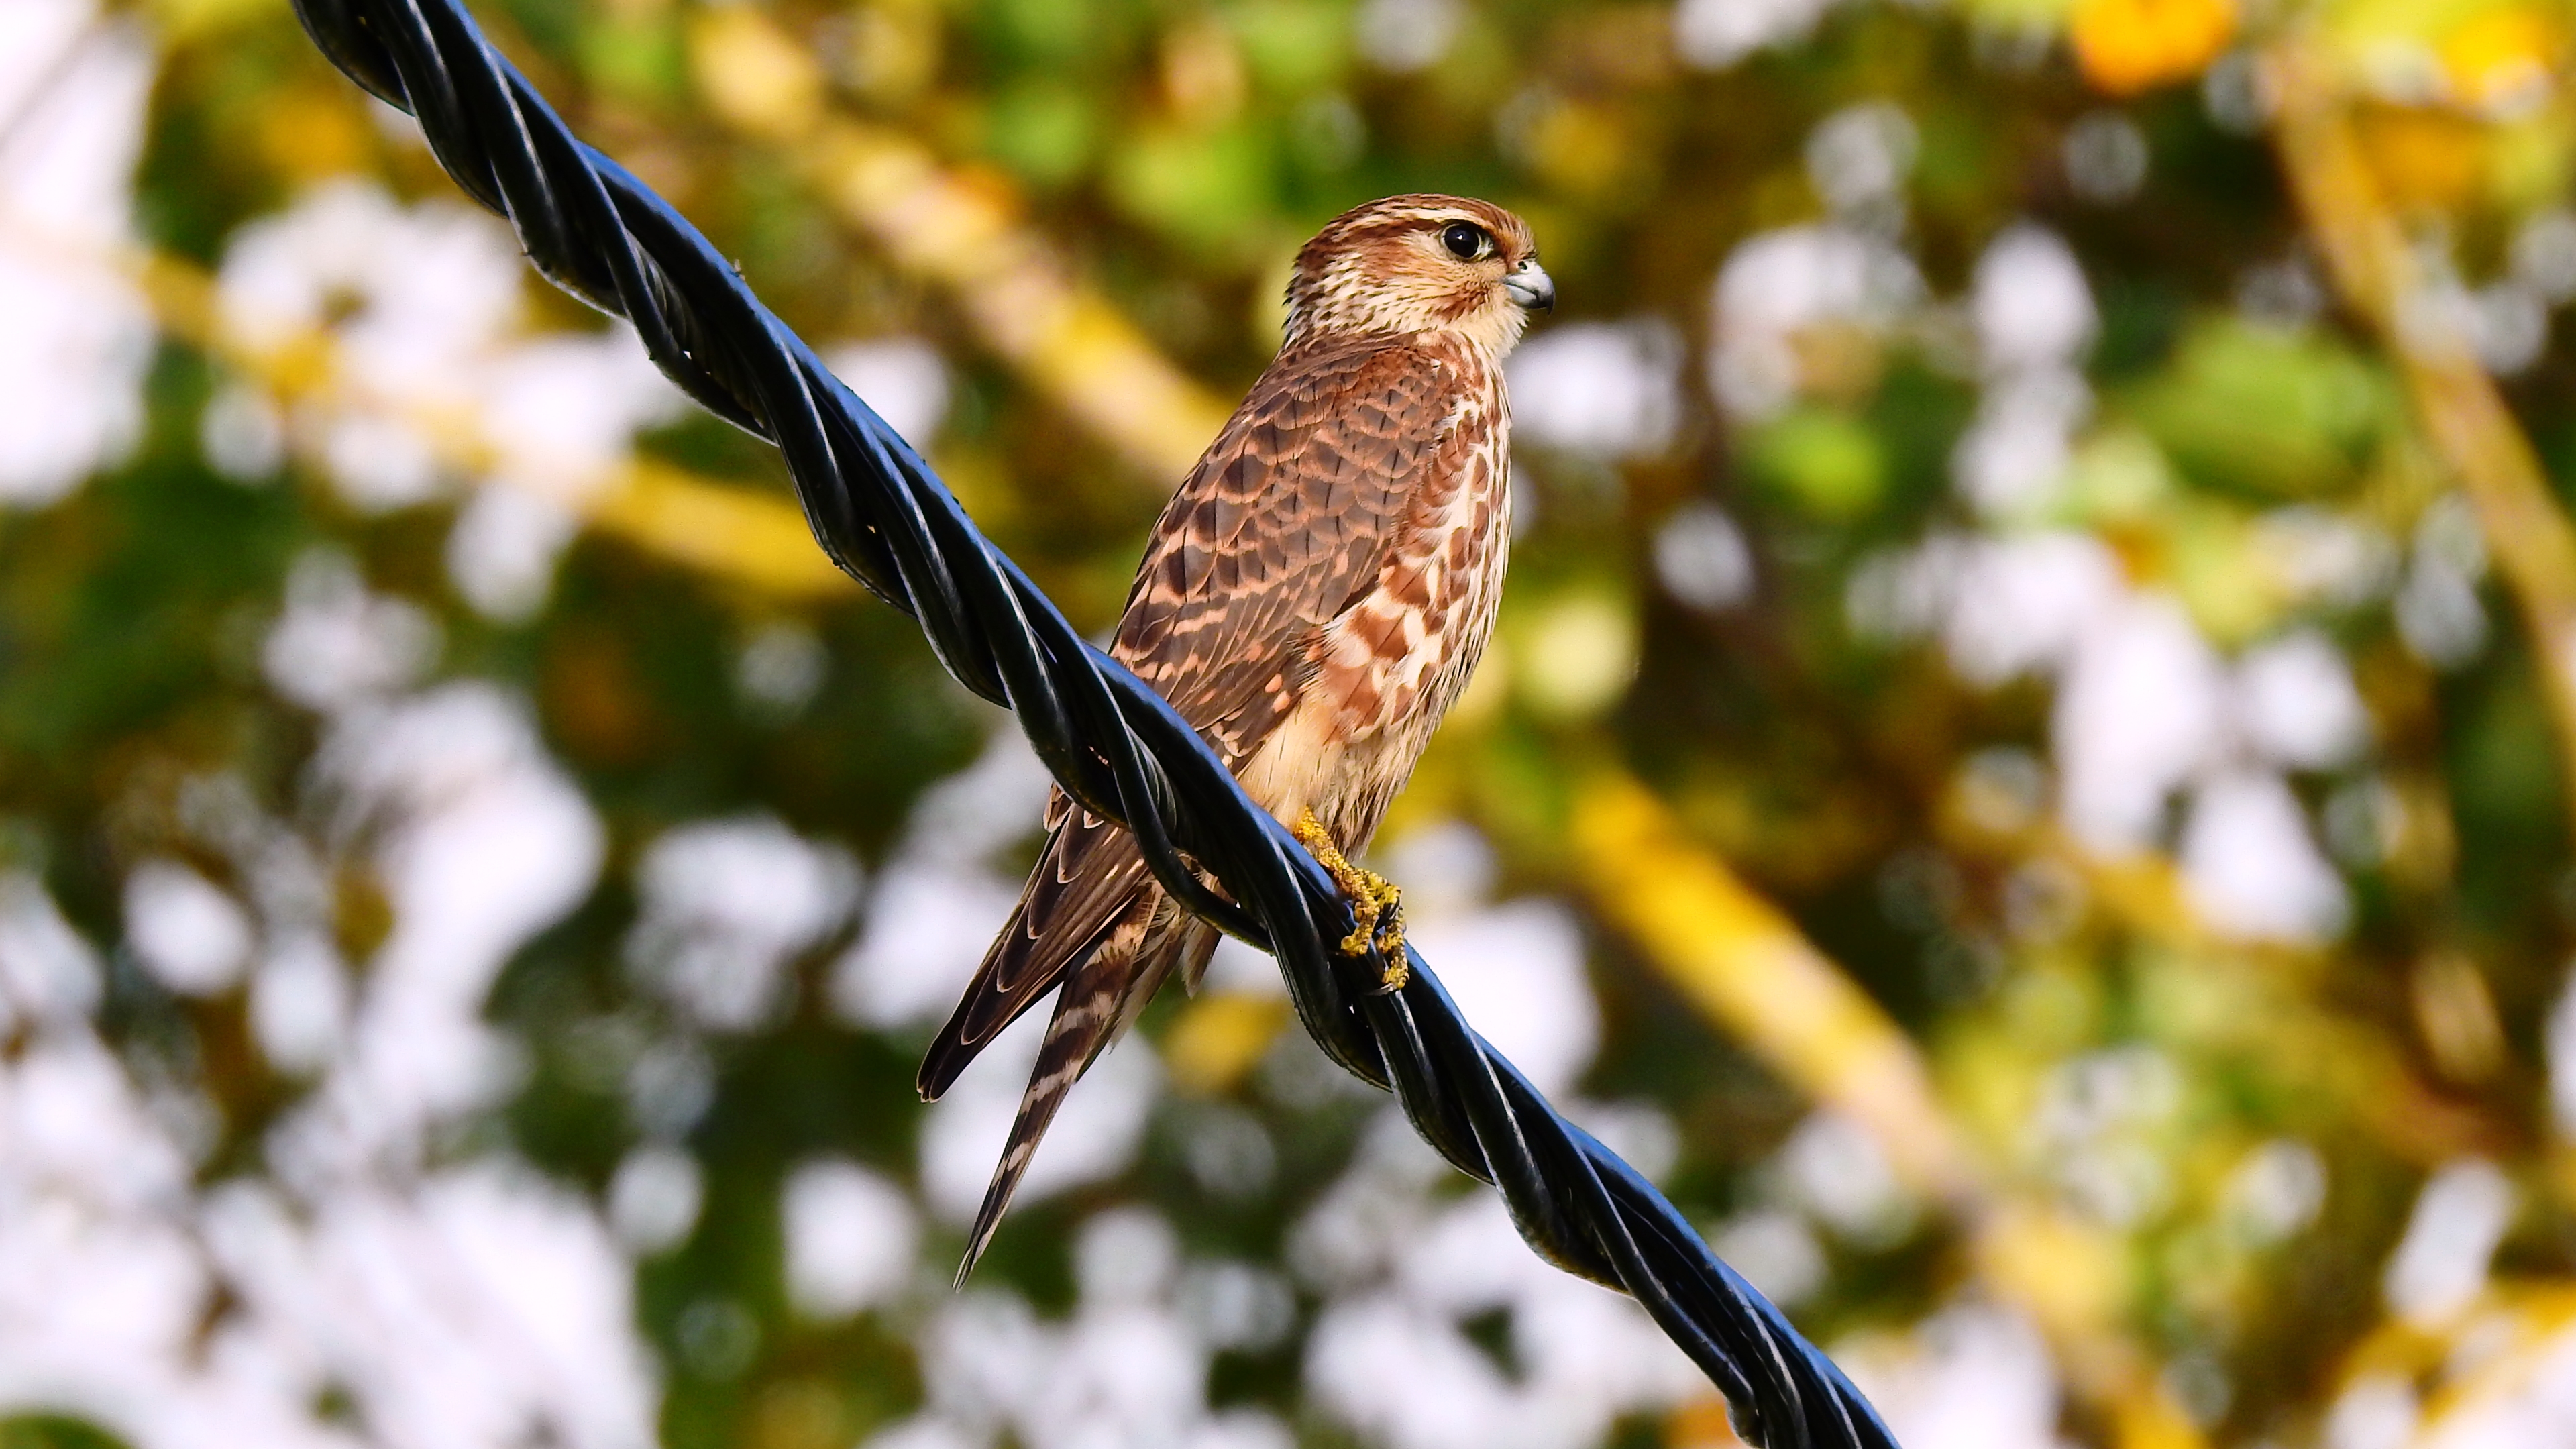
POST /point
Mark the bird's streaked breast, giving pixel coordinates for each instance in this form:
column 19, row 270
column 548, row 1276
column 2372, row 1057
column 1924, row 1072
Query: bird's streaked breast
column 1401, row 652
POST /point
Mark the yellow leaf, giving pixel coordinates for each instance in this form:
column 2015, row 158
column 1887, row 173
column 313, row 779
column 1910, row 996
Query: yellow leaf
column 755, row 75
column 2501, row 61
column 2128, row 46
column 1219, row 1037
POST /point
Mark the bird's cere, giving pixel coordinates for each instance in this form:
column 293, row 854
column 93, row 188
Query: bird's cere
column 1531, row 286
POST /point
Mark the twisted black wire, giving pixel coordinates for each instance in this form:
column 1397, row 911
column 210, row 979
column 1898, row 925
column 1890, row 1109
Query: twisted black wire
column 885, row 518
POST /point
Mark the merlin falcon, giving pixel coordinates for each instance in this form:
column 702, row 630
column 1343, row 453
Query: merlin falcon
column 1312, row 600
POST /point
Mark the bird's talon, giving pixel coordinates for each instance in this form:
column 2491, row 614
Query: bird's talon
column 1390, row 941
column 1390, row 924
column 1364, row 913
column 1377, row 907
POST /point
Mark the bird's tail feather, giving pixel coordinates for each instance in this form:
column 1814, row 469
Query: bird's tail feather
column 1100, row 998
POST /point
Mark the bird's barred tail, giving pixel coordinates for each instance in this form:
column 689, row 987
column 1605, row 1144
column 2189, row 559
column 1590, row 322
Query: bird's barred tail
column 1087, row 1014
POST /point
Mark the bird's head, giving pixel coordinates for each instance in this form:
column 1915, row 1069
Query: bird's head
column 1420, row 263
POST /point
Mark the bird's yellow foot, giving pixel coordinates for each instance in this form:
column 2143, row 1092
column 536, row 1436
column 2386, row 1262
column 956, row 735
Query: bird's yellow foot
column 1390, row 939
column 1377, row 907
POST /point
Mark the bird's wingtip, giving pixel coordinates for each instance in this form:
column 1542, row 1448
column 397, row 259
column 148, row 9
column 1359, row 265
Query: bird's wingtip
column 941, row 1066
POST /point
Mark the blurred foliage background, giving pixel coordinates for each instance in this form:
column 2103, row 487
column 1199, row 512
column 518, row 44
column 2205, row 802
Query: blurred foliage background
column 2025, row 774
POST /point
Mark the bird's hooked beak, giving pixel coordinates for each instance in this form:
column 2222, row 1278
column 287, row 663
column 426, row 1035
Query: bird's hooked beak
column 1531, row 286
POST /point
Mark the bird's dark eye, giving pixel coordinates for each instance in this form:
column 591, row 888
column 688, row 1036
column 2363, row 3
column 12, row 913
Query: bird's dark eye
column 1467, row 241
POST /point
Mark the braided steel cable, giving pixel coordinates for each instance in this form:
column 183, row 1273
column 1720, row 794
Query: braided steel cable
column 884, row 517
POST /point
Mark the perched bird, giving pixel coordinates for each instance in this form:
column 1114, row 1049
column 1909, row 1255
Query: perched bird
column 1311, row 601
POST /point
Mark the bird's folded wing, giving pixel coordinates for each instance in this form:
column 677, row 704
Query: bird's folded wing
column 1285, row 520
column 1281, row 525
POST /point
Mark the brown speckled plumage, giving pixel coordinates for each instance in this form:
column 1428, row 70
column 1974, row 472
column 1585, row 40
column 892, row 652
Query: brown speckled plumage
column 1312, row 600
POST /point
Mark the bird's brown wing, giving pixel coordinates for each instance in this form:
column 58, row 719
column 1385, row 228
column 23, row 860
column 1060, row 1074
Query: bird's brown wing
column 1280, row 525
